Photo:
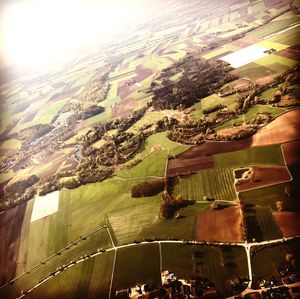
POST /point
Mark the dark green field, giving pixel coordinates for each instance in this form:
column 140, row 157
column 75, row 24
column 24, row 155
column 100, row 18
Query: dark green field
column 218, row 264
column 266, row 261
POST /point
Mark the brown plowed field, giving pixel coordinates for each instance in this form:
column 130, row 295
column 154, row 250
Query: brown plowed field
column 201, row 156
column 142, row 73
column 245, row 41
column 264, row 176
column 289, row 223
column 285, row 128
column 124, row 90
column 124, row 108
column 220, row 225
column 10, row 230
column 291, row 152
column 292, row 52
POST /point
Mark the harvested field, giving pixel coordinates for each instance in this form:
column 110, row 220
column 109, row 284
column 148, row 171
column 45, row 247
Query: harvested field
column 292, row 52
column 241, row 84
column 29, row 117
column 142, row 73
column 124, row 90
column 124, row 108
column 220, row 225
column 264, row 176
column 283, row 129
column 244, row 42
column 288, row 222
column 291, row 152
column 10, row 231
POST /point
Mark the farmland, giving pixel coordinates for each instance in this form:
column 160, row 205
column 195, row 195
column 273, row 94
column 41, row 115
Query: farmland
column 213, row 183
column 218, row 264
column 263, row 260
column 169, row 100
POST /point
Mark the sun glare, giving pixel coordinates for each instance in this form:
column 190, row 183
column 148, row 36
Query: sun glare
column 36, row 33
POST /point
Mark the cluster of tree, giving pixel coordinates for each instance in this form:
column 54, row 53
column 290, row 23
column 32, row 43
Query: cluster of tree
column 114, row 152
column 91, row 111
column 252, row 228
column 16, row 187
column 27, row 135
column 149, row 188
column 82, row 176
column 199, row 79
column 121, row 124
column 192, row 132
column 170, row 204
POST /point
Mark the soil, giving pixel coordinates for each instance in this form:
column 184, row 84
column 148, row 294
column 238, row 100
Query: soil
column 142, row 73
column 284, row 128
column 292, row 52
column 264, row 176
column 124, row 90
column 291, row 152
column 124, row 108
column 10, row 231
column 289, row 222
column 220, row 225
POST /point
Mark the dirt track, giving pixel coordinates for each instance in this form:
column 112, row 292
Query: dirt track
column 220, row 225
column 10, row 230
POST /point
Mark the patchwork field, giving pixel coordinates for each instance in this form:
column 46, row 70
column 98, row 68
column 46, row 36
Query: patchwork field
column 67, row 227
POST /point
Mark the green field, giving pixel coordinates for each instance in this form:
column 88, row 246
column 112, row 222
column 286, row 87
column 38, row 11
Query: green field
column 161, row 140
column 274, row 26
column 265, row 225
column 183, row 228
column 11, row 144
column 219, row 264
column 267, row 196
column 137, row 265
column 90, row 279
column 214, row 183
column 290, row 37
column 213, row 100
column 153, row 165
column 262, row 155
column 127, row 224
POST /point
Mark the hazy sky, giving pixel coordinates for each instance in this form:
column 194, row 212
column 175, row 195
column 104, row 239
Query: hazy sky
column 41, row 32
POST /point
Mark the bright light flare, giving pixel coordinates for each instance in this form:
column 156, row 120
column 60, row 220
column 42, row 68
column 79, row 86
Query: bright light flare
column 35, row 33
